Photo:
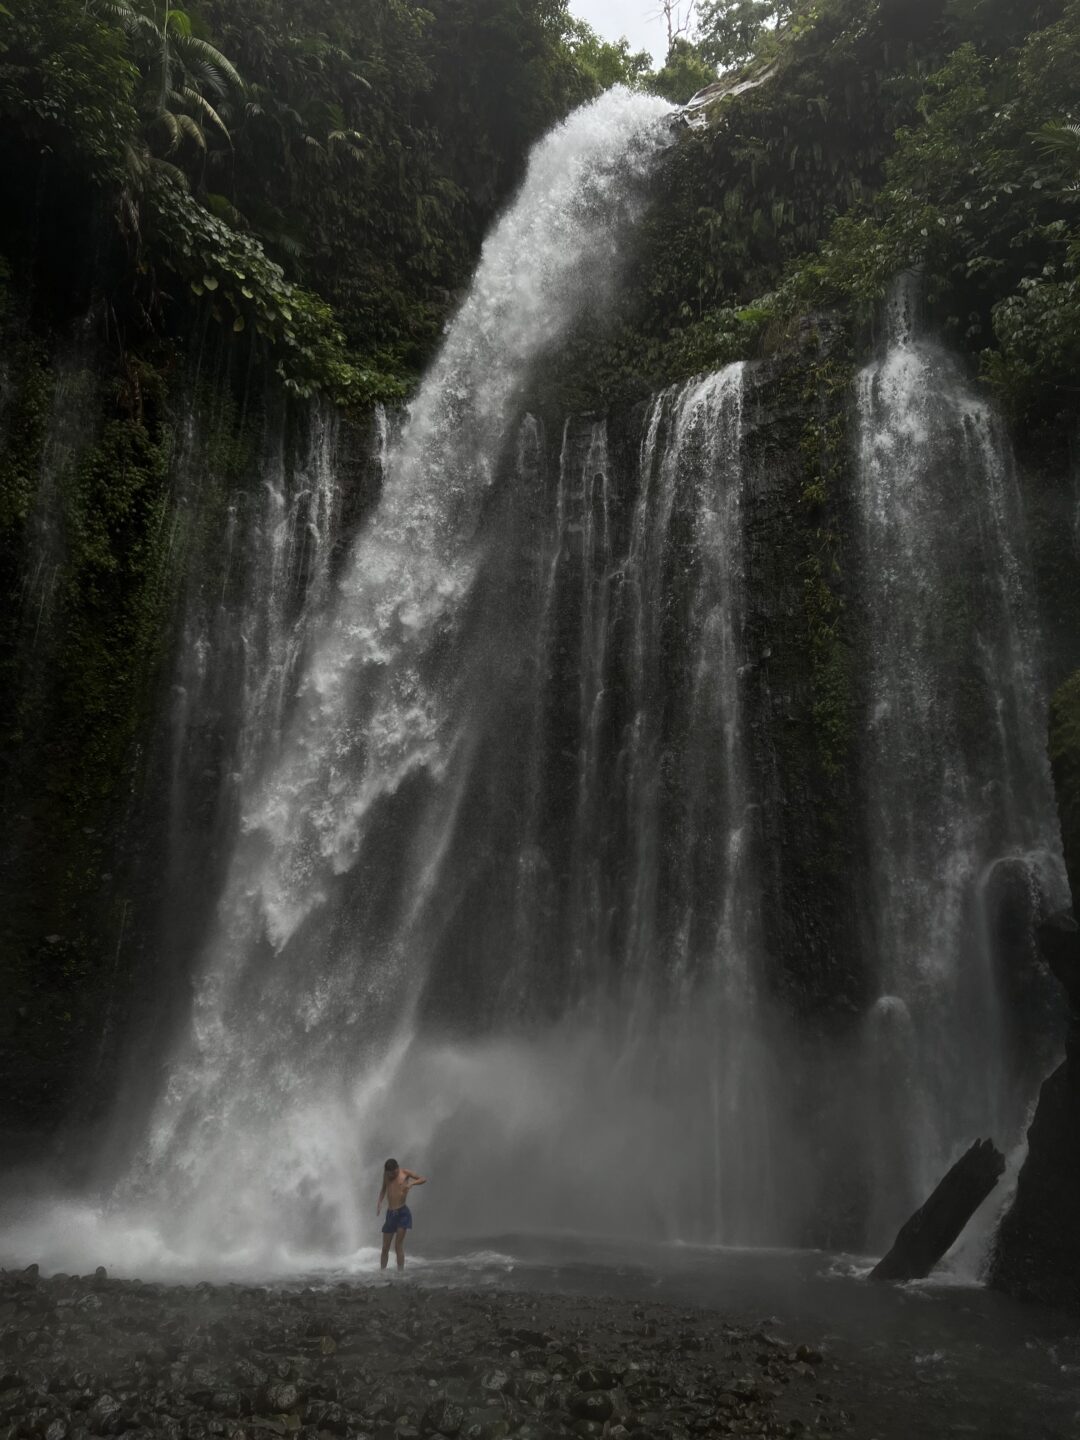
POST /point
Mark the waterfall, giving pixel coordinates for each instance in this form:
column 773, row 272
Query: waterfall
column 256, row 555
column 248, row 613
column 957, row 779
column 623, row 1015
column 336, row 894
column 472, row 841
column 618, row 839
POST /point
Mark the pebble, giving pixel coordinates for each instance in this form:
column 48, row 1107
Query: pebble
column 82, row 1357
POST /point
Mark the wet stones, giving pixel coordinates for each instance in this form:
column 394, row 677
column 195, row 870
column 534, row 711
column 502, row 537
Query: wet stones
column 103, row 1417
column 281, row 1396
column 532, row 1387
column 373, row 1363
column 595, row 1379
column 591, row 1405
column 495, row 1382
column 444, row 1417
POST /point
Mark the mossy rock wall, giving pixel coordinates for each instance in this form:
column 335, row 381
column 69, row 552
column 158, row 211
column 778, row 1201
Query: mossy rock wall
column 121, row 491
column 1065, row 760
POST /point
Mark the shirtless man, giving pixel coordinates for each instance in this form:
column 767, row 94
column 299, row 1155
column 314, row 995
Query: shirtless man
column 397, row 1182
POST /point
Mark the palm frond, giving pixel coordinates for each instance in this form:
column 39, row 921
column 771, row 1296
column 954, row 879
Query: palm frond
column 224, row 209
column 168, row 122
column 207, row 78
column 118, row 10
column 202, row 106
column 192, row 129
column 178, row 22
column 1062, row 137
column 171, row 171
column 350, row 140
column 190, row 49
column 286, row 243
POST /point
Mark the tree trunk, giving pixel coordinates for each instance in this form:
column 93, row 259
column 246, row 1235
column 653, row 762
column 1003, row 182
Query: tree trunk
column 928, row 1234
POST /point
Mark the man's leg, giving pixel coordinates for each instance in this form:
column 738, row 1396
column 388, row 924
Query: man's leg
column 386, row 1239
column 399, row 1247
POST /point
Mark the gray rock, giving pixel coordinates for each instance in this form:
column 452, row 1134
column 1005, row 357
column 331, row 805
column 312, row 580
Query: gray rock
column 595, row 1378
column 282, row 1396
column 494, row 1382
column 103, row 1417
column 591, row 1405
column 443, row 1416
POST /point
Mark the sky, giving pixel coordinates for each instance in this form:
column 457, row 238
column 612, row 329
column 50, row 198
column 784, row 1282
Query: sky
column 638, row 20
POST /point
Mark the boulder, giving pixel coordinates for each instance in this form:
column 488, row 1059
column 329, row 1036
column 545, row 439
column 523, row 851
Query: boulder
column 1037, row 1248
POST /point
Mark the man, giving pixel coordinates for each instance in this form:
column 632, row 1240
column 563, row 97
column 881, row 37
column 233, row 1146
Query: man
column 397, row 1182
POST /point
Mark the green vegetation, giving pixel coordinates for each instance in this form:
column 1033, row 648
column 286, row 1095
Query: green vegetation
column 732, row 32
column 939, row 136
column 1065, row 758
column 826, row 451
column 980, row 196
column 317, row 177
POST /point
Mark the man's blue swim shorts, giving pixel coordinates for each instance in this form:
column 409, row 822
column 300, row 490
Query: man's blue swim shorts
column 399, row 1219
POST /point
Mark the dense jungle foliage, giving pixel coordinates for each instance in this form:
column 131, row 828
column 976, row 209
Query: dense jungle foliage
column 936, row 135
column 320, row 173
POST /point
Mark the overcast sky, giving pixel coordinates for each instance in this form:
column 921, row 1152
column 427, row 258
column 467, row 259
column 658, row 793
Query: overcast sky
column 638, row 20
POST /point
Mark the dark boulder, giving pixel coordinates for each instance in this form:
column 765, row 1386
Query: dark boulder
column 1059, row 941
column 1037, row 1249
column 104, row 1416
column 592, row 1405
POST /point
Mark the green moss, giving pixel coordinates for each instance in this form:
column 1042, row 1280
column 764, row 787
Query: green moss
column 81, row 671
column 1065, row 759
column 22, row 436
column 825, row 448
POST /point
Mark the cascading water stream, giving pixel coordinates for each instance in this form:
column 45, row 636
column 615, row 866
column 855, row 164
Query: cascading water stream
column 495, row 882
column 957, row 778
column 694, row 897
column 320, row 949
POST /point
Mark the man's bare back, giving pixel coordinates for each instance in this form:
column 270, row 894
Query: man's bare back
column 397, row 1189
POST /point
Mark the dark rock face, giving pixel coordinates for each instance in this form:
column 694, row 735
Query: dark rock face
column 1065, row 760
column 1037, row 1254
column 1038, row 1247
column 83, row 1357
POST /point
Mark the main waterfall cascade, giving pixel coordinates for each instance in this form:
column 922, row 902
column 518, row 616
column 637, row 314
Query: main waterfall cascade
column 305, row 1010
column 495, row 893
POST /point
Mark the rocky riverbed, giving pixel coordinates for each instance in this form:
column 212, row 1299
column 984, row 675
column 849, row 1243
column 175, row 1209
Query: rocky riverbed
column 82, row 1356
